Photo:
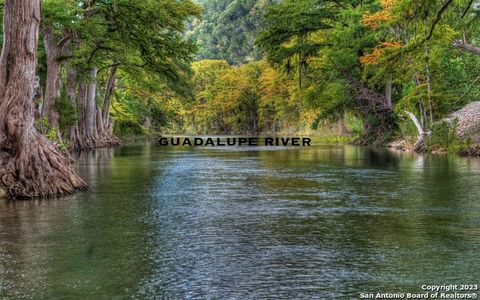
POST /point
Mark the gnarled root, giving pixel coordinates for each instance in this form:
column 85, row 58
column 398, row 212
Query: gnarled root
column 38, row 169
column 81, row 142
column 95, row 143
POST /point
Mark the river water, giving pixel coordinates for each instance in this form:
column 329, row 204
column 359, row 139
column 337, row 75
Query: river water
column 246, row 223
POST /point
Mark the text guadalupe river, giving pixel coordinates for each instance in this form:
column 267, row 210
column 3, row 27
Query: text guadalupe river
column 316, row 222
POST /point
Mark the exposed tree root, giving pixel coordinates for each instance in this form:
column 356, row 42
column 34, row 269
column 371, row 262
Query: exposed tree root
column 39, row 169
column 107, row 140
column 33, row 166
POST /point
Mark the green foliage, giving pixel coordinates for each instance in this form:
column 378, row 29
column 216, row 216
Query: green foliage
column 444, row 137
column 140, row 36
column 321, row 42
column 42, row 125
column 354, row 124
column 408, row 132
column 271, row 65
column 228, row 30
column 52, row 134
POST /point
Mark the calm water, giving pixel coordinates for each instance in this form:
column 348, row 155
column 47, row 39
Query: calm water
column 247, row 223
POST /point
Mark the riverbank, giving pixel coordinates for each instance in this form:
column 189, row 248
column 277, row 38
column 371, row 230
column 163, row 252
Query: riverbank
column 400, row 144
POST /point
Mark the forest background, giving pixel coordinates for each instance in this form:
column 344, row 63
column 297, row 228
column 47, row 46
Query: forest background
column 342, row 70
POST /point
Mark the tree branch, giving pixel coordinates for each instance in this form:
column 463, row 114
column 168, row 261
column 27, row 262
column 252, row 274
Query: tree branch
column 466, row 9
column 439, row 17
column 462, row 45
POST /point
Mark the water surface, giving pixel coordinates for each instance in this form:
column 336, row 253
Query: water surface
column 246, row 223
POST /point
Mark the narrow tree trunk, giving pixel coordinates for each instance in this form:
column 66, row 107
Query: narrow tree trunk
column 91, row 106
column 34, row 166
column 429, row 83
column 100, row 124
column 105, row 130
column 71, row 86
column 55, row 53
column 107, row 100
column 81, row 104
column 388, row 90
column 463, row 45
column 53, row 84
column 147, row 122
column 421, row 108
column 343, row 127
column 78, row 140
column 419, row 145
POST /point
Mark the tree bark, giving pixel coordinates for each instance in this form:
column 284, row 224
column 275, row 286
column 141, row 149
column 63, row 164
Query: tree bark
column 71, row 85
column 388, row 90
column 105, row 129
column 107, row 99
column 52, row 86
column 429, row 84
column 419, row 145
column 463, row 45
column 91, row 131
column 55, row 53
column 343, row 126
column 91, row 106
column 34, row 167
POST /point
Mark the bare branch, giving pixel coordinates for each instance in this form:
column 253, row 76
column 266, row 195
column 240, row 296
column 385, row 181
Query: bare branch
column 462, row 45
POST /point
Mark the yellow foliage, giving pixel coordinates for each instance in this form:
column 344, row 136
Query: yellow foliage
column 309, row 116
column 233, row 99
column 387, row 4
column 375, row 20
column 378, row 52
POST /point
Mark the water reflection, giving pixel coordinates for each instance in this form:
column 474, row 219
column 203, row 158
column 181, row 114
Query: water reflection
column 246, row 223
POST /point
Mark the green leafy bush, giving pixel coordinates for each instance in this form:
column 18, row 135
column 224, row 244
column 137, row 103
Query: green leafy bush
column 443, row 137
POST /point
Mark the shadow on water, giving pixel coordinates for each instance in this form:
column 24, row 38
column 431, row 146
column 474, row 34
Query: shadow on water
column 246, row 223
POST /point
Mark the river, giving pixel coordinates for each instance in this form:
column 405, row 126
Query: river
column 327, row 221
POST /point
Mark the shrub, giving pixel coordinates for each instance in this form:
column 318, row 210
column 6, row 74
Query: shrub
column 444, row 137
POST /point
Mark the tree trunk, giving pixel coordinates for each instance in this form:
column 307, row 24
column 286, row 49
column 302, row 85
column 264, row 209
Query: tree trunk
column 420, row 144
column 34, row 167
column 105, row 131
column 421, row 108
column 78, row 140
column 71, row 85
column 147, row 122
column 463, row 45
column 429, row 83
column 107, row 99
column 388, row 90
column 55, row 53
column 343, row 127
column 53, row 85
column 90, row 131
column 91, row 106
